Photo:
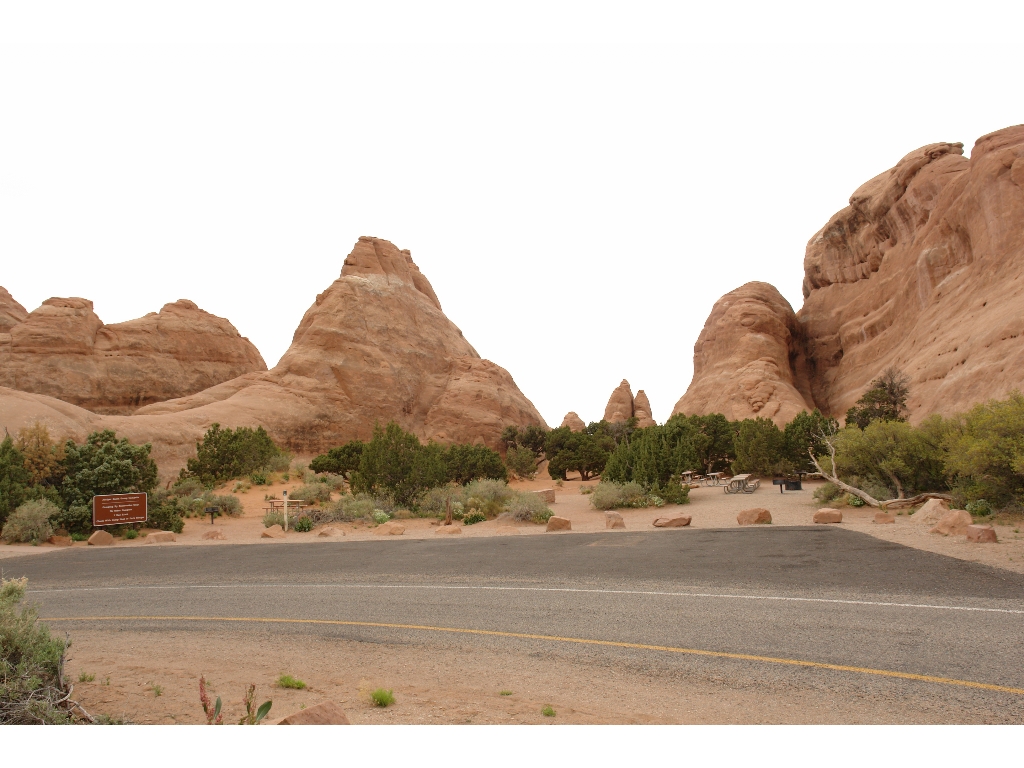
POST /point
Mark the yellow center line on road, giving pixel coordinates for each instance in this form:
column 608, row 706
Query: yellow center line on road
column 559, row 639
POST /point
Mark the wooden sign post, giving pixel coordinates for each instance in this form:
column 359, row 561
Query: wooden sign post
column 119, row 509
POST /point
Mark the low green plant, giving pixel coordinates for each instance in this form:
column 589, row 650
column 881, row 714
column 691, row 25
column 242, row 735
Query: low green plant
column 586, row 489
column 504, row 693
column 855, row 501
column 131, row 533
column 158, row 690
column 85, row 677
column 79, row 537
column 30, row 522
column 979, row 508
column 286, row 477
column 827, row 492
column 382, row 697
column 287, row 681
column 380, row 516
column 525, row 506
column 242, row 486
column 258, row 478
column 473, row 518
column 313, row 492
column 303, row 524
column 542, row 517
column 548, row 712
column 273, row 518
column 252, row 715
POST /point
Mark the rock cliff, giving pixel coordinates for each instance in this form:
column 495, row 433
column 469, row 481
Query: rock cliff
column 64, row 350
column 573, row 422
column 374, row 347
column 923, row 270
column 11, row 312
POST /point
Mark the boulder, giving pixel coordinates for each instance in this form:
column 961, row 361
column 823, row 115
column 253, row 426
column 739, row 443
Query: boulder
column 160, row 537
column 912, row 272
column 60, row 541
column 953, row 523
column 214, row 534
column 981, row 534
column 101, row 539
column 373, row 347
column 62, row 349
column 273, row 532
column 389, row 529
column 330, row 531
column 931, row 512
column 547, row 495
column 613, row 520
column 677, row 521
column 828, row 515
column 449, row 530
column 325, row 713
column 11, row 312
column 884, row 518
column 620, row 404
column 642, row 410
column 573, row 422
column 755, row 516
column 556, row 523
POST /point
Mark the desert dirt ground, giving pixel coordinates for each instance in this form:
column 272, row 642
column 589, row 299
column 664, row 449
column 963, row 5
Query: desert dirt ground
column 710, row 507
column 149, row 673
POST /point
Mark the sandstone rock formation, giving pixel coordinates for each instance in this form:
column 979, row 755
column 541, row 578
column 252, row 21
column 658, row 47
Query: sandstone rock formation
column 981, row 534
column 64, row 350
column 556, row 523
column 614, row 520
column 620, row 404
column 642, row 410
column 374, row 347
column 953, row 523
column 755, row 516
column 741, row 361
column 828, row 515
column 923, row 270
column 573, row 422
column 11, row 313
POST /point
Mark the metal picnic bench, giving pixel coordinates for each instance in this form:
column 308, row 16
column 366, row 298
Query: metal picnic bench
column 742, row 484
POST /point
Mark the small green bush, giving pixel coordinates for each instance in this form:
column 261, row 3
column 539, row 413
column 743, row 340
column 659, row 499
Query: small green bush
column 586, row 489
column 131, row 533
column 855, row 501
column 74, row 520
column 313, row 493
column 504, row 693
column 273, row 518
column 85, row 677
column 303, row 524
column 548, row 712
column 979, row 508
column 242, row 486
column 79, row 537
column 30, row 522
column 380, row 516
column 287, row 681
column 608, row 495
column 382, row 697
column 828, row 492
column 524, row 507
column 542, row 517
column 258, row 477
column 279, row 463
column 474, row 518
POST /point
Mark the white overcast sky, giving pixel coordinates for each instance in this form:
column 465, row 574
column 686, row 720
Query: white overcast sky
column 580, row 182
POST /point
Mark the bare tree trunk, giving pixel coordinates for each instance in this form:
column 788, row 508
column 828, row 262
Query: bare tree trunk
column 919, row 499
column 831, row 477
column 899, row 486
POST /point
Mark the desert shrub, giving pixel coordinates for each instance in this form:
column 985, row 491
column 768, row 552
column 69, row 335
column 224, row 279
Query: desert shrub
column 79, row 537
column 334, row 482
column 342, row 461
column 828, row 492
column 259, row 477
column 886, row 400
column 76, row 519
column 279, row 462
column 488, row 491
column 223, row 454
column 164, row 516
column 30, row 522
column 465, row 463
column 188, row 487
column 984, row 452
column 242, row 486
column 474, row 518
column 304, row 524
column 382, row 697
column 608, row 495
column 586, row 489
column 229, row 505
column 104, row 464
column 979, row 508
column 273, row 518
column 584, row 452
column 32, row 688
column 521, row 462
column 14, row 478
column 287, row 681
column 313, row 493
column 893, row 457
column 131, row 533
column 855, row 501
column 673, row 492
column 524, row 507
column 761, row 448
column 380, row 516
column 43, row 458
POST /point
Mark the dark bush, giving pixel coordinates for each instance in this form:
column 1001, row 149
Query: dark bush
column 104, row 464
column 343, row 460
column 224, row 454
column 14, row 478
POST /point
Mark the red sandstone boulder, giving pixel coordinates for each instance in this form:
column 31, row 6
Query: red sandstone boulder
column 828, row 515
column 953, row 523
column 160, row 537
column 931, row 512
column 392, row 529
column 547, row 495
column 613, row 520
column 674, row 521
column 101, row 539
column 755, row 516
column 273, row 532
column 556, row 523
column 981, row 534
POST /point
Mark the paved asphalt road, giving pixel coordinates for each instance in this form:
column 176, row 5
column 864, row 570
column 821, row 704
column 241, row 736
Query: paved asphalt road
column 817, row 594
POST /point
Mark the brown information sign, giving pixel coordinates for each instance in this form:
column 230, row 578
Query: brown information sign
column 119, row 509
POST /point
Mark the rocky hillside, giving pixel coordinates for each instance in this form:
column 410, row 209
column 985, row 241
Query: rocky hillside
column 923, row 270
column 374, row 347
column 64, row 350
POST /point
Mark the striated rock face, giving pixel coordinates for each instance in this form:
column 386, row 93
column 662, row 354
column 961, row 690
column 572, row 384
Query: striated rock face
column 573, row 422
column 65, row 351
column 374, row 347
column 642, row 410
column 620, row 404
column 11, row 312
column 923, row 270
column 742, row 360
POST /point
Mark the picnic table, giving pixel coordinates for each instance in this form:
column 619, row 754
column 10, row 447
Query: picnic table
column 277, row 505
column 690, row 477
column 742, row 484
column 714, row 478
